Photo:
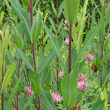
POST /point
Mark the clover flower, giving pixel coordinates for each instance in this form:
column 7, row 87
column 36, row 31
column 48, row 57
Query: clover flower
column 90, row 57
column 29, row 91
column 61, row 73
column 56, row 97
column 65, row 28
column 82, row 83
column 67, row 41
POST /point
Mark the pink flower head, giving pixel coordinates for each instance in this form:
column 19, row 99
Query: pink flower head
column 66, row 21
column 67, row 41
column 90, row 57
column 61, row 73
column 56, row 97
column 82, row 77
column 65, row 28
column 29, row 92
column 82, row 85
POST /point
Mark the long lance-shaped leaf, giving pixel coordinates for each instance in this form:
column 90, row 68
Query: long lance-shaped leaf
column 8, row 76
column 54, row 44
column 23, row 15
column 23, row 57
column 29, row 100
column 99, row 105
column 10, row 58
column 69, row 90
column 44, row 64
column 71, row 8
column 35, row 83
column 14, row 91
column 36, row 27
column 47, row 100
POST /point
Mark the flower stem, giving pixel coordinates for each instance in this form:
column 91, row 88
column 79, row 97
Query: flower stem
column 34, row 60
column 67, row 108
column 33, row 47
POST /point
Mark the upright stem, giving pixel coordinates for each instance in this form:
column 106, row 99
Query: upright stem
column 57, row 37
column 34, row 60
column 102, row 47
column 3, row 75
column 33, row 47
column 70, row 38
column 67, row 108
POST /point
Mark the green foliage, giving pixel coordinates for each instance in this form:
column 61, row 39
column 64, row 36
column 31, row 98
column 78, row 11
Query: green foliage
column 18, row 38
column 8, row 76
column 35, row 83
column 99, row 105
column 55, row 44
column 36, row 27
column 81, row 24
column 14, row 91
column 1, row 17
column 69, row 90
column 23, row 57
column 70, row 7
column 104, row 96
column 47, row 100
column 24, row 17
column 29, row 100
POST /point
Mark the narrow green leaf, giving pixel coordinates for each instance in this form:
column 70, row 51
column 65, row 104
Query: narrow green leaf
column 8, row 76
column 69, row 90
column 60, row 10
column 29, row 100
column 71, row 8
column 35, row 83
column 46, row 61
column 23, row 57
column 18, row 38
column 47, row 100
column 99, row 105
column 53, row 8
column 7, row 4
column 23, row 15
column 54, row 43
column 35, row 31
column 52, row 24
column 45, row 76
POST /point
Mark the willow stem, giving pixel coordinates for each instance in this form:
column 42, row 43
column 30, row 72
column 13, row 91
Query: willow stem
column 34, row 60
column 33, row 47
column 67, row 108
